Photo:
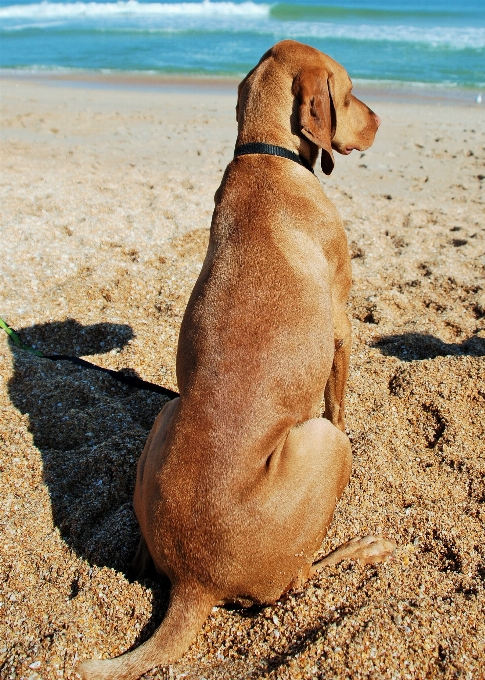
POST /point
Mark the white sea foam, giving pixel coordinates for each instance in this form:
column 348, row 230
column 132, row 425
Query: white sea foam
column 453, row 39
column 231, row 17
column 437, row 36
column 71, row 10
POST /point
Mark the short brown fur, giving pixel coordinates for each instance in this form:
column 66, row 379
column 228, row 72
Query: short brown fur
column 238, row 481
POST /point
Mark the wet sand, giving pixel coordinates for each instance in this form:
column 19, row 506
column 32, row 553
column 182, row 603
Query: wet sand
column 106, row 199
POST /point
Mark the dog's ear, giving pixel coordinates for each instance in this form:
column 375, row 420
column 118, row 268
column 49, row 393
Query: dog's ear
column 312, row 89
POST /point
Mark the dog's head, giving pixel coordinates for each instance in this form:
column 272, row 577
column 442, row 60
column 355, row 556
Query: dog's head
column 330, row 116
column 326, row 113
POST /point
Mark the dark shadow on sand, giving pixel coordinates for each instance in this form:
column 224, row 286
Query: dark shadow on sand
column 418, row 346
column 90, row 431
column 303, row 639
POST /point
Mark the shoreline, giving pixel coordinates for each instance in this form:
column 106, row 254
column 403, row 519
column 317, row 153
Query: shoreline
column 382, row 91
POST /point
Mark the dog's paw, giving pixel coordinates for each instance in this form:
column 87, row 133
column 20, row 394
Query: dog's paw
column 94, row 670
column 367, row 549
column 371, row 549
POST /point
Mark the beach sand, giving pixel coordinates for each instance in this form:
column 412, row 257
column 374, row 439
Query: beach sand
column 106, row 200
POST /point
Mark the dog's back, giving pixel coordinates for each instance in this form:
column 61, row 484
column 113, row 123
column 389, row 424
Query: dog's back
column 255, row 351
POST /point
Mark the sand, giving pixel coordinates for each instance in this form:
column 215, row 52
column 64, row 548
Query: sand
column 106, row 198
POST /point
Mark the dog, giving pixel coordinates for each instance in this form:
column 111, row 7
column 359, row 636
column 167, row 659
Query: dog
column 239, row 478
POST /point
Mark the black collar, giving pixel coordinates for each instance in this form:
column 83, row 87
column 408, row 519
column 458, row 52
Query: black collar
column 271, row 150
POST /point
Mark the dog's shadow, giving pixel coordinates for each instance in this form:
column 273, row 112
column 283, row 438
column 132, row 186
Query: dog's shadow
column 419, row 346
column 90, row 431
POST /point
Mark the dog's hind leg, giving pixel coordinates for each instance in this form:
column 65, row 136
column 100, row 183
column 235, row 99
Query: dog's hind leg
column 312, row 471
column 143, row 565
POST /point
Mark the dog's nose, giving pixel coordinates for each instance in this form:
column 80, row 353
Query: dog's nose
column 378, row 120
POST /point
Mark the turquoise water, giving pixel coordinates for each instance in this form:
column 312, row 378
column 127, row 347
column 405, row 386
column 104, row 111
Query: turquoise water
column 429, row 42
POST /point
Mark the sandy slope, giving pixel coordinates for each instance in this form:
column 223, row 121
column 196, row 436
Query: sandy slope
column 106, row 200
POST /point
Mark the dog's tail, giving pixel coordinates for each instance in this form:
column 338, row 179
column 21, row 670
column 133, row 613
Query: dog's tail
column 188, row 609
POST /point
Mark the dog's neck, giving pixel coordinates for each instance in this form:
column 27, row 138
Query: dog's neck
column 268, row 113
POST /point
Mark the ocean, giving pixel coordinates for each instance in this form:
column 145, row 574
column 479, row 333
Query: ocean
column 421, row 43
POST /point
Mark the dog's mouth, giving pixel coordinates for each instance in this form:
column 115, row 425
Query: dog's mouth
column 347, row 150
column 344, row 150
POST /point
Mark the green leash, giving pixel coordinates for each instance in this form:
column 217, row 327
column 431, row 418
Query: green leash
column 117, row 375
column 17, row 341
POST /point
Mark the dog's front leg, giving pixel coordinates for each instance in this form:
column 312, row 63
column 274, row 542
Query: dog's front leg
column 335, row 387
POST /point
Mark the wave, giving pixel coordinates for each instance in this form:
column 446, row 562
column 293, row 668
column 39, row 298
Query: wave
column 71, row 10
column 292, row 12
column 435, row 38
column 278, row 20
column 280, row 11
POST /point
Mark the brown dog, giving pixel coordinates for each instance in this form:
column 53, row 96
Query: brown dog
column 238, row 480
